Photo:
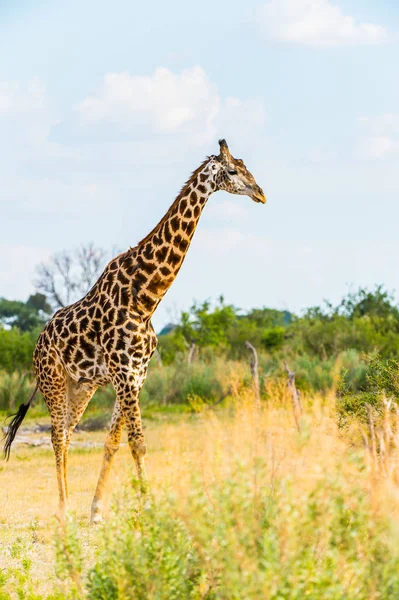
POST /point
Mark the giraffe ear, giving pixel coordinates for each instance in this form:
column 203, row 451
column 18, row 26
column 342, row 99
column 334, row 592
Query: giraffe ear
column 224, row 155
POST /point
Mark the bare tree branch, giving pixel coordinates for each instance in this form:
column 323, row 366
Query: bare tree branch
column 295, row 396
column 91, row 261
column 254, row 371
column 158, row 357
column 69, row 275
column 46, row 284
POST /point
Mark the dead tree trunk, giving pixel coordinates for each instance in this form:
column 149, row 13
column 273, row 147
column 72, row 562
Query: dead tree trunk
column 191, row 353
column 254, row 372
column 373, row 443
column 295, row 396
column 158, row 357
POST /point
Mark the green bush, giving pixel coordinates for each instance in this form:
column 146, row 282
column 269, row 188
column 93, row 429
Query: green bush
column 353, row 366
column 173, row 384
column 313, row 374
column 317, row 346
column 16, row 349
column 152, row 556
column 231, row 540
column 15, row 388
column 381, row 380
column 273, row 338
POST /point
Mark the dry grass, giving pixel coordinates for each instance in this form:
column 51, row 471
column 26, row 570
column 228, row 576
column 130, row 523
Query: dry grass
column 206, row 447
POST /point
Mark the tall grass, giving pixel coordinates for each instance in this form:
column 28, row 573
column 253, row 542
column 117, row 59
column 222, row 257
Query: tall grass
column 212, row 378
column 15, row 388
column 255, row 516
column 208, row 379
column 243, row 506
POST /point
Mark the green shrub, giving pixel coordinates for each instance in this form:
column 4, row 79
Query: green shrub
column 353, row 366
column 173, row 384
column 273, row 338
column 15, row 388
column 233, row 540
column 313, row 374
column 16, row 349
column 151, row 555
column 380, row 380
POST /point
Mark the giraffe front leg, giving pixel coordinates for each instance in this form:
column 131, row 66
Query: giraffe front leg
column 112, row 444
column 128, row 390
column 128, row 371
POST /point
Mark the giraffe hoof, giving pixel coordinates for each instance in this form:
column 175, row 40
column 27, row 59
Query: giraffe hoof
column 96, row 518
column 61, row 515
column 96, row 509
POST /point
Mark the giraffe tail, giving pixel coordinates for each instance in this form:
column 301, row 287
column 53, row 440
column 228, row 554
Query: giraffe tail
column 14, row 424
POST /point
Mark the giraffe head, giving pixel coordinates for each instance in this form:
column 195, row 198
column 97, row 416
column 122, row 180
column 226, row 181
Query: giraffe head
column 234, row 177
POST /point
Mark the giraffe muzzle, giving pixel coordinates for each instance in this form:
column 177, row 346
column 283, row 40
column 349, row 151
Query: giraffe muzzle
column 258, row 195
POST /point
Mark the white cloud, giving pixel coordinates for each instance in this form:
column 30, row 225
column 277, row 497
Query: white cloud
column 381, row 136
column 163, row 103
column 315, row 23
column 377, row 147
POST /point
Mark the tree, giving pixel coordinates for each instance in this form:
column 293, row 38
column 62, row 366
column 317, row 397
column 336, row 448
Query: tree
column 269, row 317
column 377, row 303
column 69, row 275
column 16, row 349
column 222, row 327
column 207, row 327
column 27, row 315
column 365, row 320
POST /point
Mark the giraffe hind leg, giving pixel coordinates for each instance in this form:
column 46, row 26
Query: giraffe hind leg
column 78, row 397
column 54, row 394
column 66, row 403
column 58, row 440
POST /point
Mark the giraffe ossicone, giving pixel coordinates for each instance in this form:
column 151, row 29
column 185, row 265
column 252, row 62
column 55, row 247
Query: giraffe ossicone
column 107, row 336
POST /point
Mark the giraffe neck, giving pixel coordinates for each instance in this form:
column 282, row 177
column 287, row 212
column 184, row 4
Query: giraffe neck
column 161, row 254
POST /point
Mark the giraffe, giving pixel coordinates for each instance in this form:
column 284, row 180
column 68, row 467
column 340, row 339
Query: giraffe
column 107, row 336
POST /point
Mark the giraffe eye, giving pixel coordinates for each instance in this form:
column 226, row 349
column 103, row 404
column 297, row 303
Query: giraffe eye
column 232, row 172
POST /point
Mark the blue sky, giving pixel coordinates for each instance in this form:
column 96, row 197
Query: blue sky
column 106, row 108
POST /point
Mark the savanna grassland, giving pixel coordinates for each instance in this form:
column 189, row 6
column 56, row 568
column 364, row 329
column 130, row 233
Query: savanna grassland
column 276, row 502
column 241, row 504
